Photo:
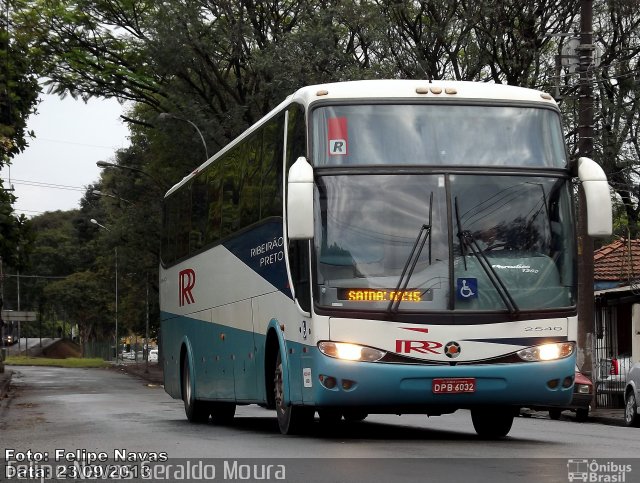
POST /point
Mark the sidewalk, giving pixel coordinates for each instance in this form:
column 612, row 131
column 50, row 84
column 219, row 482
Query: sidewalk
column 610, row 417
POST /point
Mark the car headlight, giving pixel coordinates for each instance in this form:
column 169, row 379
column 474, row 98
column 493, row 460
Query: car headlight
column 350, row 352
column 547, row 352
column 583, row 389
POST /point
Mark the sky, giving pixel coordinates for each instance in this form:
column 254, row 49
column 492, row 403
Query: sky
column 71, row 136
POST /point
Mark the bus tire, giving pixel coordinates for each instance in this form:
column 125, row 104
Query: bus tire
column 196, row 411
column 291, row 419
column 492, row 423
column 222, row 413
column 582, row 415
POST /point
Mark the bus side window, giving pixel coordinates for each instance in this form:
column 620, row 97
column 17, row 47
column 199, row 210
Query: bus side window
column 183, row 222
column 271, row 191
column 198, row 213
column 214, row 206
column 298, row 249
column 299, row 262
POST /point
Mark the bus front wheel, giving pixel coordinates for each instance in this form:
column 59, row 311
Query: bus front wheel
column 196, row 411
column 291, row 419
column 492, row 423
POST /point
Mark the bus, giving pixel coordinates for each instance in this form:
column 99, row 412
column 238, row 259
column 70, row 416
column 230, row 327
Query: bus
column 380, row 246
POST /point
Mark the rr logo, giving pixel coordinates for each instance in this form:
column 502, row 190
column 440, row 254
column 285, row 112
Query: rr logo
column 187, row 282
column 420, row 346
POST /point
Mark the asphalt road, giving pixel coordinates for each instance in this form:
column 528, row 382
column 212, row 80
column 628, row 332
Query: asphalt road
column 102, row 410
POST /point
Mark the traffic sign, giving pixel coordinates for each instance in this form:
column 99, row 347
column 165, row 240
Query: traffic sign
column 19, row 316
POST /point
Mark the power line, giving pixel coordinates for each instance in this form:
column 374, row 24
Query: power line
column 41, row 184
column 35, row 276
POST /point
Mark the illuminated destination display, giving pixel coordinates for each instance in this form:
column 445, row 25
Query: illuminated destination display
column 383, row 295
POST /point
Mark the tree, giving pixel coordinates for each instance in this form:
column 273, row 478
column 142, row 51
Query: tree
column 618, row 91
column 82, row 297
column 19, row 91
column 18, row 97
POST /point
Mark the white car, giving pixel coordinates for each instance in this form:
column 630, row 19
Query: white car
column 613, row 376
column 632, row 396
column 153, row 355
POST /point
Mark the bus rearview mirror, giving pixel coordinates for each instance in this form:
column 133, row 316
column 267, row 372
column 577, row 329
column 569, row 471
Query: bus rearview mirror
column 596, row 190
column 300, row 200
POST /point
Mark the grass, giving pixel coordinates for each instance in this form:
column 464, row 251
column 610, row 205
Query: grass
column 44, row 361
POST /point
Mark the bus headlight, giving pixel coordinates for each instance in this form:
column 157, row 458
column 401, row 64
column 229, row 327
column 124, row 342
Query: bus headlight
column 350, row 352
column 547, row 352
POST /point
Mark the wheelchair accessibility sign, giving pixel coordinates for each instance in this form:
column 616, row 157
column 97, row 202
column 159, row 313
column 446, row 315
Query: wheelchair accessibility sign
column 467, row 288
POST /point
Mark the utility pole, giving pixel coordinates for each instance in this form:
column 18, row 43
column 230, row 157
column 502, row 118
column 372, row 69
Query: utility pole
column 585, row 148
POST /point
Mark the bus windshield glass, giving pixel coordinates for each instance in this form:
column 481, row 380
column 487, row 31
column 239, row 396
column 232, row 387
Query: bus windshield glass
column 473, row 242
column 437, row 135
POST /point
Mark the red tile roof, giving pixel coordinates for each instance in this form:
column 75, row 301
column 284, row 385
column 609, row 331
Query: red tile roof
column 619, row 260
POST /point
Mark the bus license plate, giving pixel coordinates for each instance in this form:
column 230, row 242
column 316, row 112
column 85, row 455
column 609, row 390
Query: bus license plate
column 453, row 386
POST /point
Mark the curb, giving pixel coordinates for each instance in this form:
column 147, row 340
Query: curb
column 608, row 420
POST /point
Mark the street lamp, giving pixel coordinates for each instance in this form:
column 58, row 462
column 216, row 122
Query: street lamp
column 116, row 255
column 105, row 164
column 165, row 115
column 109, row 195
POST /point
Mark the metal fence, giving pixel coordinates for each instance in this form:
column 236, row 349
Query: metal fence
column 612, row 358
column 105, row 350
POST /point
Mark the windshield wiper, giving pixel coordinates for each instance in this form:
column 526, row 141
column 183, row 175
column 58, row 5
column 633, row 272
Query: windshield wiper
column 412, row 260
column 467, row 241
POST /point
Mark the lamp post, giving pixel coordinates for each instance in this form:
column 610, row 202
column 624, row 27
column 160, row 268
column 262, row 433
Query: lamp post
column 109, row 195
column 116, row 255
column 166, row 115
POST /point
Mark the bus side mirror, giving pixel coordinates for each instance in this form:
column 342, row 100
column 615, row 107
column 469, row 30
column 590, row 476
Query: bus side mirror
column 300, row 200
column 596, row 190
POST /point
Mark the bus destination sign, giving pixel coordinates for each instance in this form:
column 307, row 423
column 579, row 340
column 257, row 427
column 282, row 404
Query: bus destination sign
column 384, row 295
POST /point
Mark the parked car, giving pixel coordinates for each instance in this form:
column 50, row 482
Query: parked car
column 632, row 396
column 153, row 355
column 130, row 355
column 581, row 401
column 613, row 376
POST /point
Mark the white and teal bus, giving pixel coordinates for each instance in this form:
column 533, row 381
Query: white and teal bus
column 379, row 247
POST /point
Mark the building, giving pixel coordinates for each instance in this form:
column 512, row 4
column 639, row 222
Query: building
column 617, row 317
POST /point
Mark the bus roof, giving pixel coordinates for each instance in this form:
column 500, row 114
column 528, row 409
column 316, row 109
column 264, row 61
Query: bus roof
column 391, row 89
column 418, row 89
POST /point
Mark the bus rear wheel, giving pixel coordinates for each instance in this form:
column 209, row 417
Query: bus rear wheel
column 492, row 423
column 291, row 419
column 196, row 411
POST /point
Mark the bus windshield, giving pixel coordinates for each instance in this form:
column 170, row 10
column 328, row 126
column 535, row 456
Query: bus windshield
column 495, row 243
column 437, row 135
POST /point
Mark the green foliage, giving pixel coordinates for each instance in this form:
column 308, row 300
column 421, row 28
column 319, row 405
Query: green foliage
column 82, row 297
column 19, row 94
